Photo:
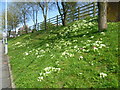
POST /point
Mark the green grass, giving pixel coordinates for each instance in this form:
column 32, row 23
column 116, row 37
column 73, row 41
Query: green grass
column 75, row 56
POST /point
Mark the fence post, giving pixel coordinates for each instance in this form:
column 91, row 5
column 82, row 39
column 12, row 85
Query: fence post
column 78, row 13
column 73, row 14
column 94, row 9
column 57, row 20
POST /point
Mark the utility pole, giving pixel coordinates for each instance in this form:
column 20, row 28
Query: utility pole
column 6, row 43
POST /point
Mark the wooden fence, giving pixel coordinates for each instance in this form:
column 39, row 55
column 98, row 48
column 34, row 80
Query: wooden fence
column 76, row 14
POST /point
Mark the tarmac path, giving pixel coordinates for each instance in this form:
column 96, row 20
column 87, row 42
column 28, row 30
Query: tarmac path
column 5, row 81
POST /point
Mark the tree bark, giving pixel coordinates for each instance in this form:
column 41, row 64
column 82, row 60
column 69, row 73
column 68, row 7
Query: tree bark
column 45, row 22
column 102, row 16
column 62, row 15
column 36, row 20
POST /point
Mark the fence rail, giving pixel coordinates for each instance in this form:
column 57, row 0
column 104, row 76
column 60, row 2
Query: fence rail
column 72, row 15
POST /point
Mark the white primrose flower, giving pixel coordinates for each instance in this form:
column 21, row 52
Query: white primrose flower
column 74, row 40
column 90, row 24
column 47, row 45
column 95, row 48
column 102, row 45
column 40, row 79
column 100, row 38
column 98, row 42
column 80, row 73
column 64, row 53
column 17, row 43
column 38, row 56
column 97, row 45
column 36, row 53
column 102, row 75
column 26, row 53
column 30, row 51
column 84, row 35
column 76, row 46
column 87, row 32
column 88, row 45
column 83, row 50
column 102, row 33
column 81, row 57
column 71, row 55
column 47, row 72
column 57, row 62
column 92, row 37
column 84, row 21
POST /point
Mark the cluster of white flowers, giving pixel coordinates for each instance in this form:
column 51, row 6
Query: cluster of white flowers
column 40, row 56
column 74, row 40
column 92, row 45
column 22, row 45
column 88, row 40
column 65, row 43
column 99, row 44
column 47, row 71
column 65, row 53
column 17, row 43
column 102, row 75
column 42, row 51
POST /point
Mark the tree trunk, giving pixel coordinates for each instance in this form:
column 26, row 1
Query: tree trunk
column 36, row 20
column 102, row 16
column 64, row 13
column 15, row 31
column 25, row 23
column 45, row 22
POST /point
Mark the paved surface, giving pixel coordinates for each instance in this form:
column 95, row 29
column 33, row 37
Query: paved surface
column 4, row 70
column 0, row 65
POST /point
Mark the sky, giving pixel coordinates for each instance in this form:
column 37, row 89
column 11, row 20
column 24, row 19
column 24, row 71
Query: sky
column 51, row 14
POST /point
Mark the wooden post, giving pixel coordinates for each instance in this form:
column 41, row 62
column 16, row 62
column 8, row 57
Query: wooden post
column 94, row 9
column 57, row 20
column 78, row 13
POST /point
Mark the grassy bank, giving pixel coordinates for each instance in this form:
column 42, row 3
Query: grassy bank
column 75, row 56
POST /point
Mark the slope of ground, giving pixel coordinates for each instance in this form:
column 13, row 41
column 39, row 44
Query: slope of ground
column 75, row 56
